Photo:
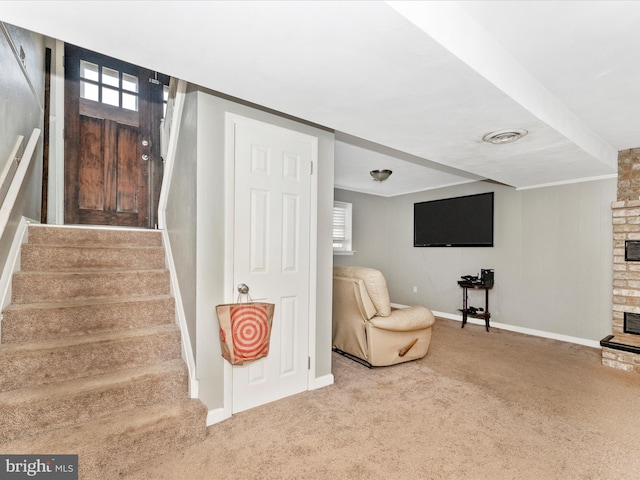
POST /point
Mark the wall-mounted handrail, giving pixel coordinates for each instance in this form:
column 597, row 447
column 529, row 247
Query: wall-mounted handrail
column 172, row 143
column 16, row 184
column 10, row 167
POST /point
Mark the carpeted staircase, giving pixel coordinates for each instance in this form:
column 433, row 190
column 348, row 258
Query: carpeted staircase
column 90, row 354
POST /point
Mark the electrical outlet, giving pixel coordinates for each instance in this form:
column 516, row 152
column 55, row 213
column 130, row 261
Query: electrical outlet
column 415, row 289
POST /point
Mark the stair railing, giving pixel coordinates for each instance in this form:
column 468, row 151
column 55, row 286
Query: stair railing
column 11, row 182
column 169, row 145
column 13, row 188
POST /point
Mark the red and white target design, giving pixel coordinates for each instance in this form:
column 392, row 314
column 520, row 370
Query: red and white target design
column 251, row 330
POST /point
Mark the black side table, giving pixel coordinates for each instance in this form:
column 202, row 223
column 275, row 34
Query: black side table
column 465, row 302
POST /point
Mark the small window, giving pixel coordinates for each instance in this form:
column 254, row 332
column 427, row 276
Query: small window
column 110, row 96
column 108, row 86
column 342, row 238
column 89, row 71
column 129, row 92
column 89, row 84
column 110, row 77
column 165, row 99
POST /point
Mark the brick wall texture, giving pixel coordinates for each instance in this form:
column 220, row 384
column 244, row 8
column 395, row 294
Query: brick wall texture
column 629, row 362
column 626, row 275
column 629, row 174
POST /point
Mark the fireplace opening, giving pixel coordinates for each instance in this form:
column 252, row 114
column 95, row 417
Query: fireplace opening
column 632, row 323
column 632, row 250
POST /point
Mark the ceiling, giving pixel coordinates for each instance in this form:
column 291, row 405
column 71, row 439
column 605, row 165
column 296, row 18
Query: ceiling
column 409, row 86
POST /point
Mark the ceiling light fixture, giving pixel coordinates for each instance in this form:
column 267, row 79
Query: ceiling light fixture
column 380, row 175
column 501, row 137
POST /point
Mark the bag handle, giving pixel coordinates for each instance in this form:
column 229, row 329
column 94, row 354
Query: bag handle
column 243, row 289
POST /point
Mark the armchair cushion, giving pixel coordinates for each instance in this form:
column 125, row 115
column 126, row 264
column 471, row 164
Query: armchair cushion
column 375, row 284
column 405, row 319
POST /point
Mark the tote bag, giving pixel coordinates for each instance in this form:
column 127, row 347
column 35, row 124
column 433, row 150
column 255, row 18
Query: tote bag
column 245, row 330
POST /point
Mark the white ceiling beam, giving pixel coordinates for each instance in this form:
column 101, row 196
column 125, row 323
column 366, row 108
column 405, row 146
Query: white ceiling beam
column 453, row 28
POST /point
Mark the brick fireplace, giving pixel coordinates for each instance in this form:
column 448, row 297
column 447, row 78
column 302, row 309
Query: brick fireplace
column 621, row 350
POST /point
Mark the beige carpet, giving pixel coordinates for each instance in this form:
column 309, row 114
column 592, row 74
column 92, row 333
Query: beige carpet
column 480, row 405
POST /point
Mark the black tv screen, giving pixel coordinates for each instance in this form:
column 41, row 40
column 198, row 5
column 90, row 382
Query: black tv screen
column 454, row 222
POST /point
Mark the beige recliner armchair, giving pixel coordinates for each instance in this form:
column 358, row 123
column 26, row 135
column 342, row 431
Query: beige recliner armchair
column 367, row 328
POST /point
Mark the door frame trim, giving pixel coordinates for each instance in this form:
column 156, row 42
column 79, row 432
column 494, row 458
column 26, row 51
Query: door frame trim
column 230, row 121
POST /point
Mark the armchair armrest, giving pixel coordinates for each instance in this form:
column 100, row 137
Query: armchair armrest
column 405, row 319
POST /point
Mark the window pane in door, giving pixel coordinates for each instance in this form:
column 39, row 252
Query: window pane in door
column 110, row 96
column 165, row 99
column 89, row 91
column 110, row 77
column 88, row 70
column 129, row 101
column 129, row 82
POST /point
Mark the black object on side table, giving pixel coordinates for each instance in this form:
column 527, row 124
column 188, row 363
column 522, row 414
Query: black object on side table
column 468, row 311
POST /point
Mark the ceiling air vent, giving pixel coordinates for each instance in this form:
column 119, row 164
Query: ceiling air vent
column 501, row 137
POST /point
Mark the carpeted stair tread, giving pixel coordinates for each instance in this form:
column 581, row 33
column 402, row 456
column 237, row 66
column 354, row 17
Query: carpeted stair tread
column 109, row 445
column 73, row 401
column 56, row 235
column 90, row 358
column 37, row 363
column 44, row 321
column 71, row 257
column 45, row 287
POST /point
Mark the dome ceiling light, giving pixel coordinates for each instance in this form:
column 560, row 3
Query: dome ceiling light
column 501, row 137
column 380, row 175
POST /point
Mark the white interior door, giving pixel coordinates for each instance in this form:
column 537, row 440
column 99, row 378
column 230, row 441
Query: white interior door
column 272, row 254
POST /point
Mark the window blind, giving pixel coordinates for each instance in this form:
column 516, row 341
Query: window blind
column 339, row 223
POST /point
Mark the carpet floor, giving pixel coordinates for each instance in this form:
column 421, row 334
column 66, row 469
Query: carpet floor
column 480, row 405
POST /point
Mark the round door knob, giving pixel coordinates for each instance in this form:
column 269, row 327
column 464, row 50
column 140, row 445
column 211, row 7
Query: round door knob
column 145, row 157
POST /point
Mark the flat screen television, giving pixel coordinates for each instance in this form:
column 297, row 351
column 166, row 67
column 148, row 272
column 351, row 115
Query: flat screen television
column 454, row 222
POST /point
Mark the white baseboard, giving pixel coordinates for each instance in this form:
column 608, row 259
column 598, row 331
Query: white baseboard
column 216, row 415
column 525, row 330
column 399, row 305
column 321, row 382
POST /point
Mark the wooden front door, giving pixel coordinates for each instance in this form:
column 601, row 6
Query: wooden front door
column 113, row 169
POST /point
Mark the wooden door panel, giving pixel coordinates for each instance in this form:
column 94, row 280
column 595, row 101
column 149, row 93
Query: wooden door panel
column 110, row 172
column 90, row 169
column 129, row 167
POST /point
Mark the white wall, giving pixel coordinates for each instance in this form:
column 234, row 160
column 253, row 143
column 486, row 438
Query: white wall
column 552, row 255
column 21, row 110
column 21, row 90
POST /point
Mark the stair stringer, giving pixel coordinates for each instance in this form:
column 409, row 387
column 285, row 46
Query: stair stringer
column 12, row 265
column 181, row 319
